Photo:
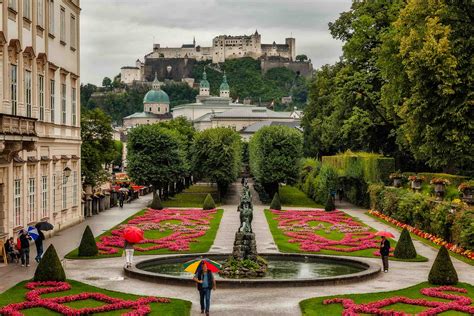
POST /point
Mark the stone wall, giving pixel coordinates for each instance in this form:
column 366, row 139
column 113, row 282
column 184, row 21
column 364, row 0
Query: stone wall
column 305, row 69
column 180, row 68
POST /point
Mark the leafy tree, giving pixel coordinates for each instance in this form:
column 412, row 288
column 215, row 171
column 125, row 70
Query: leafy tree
column 156, row 155
column 118, row 153
column 50, row 268
column 301, row 58
column 107, row 82
column 86, row 93
column 97, row 145
column 217, row 156
column 274, row 155
column 88, row 246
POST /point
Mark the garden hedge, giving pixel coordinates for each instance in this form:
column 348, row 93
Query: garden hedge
column 209, row 203
column 156, row 202
column 88, row 246
column 50, row 268
column 276, row 203
column 443, row 272
column 405, row 248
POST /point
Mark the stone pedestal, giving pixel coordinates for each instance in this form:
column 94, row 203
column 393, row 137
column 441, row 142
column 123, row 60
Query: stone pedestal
column 245, row 246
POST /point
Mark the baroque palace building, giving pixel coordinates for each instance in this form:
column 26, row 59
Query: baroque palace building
column 40, row 135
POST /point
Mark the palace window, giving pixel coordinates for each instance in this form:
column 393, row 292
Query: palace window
column 62, row 22
column 51, row 16
column 27, row 9
column 74, row 188
column 64, row 192
column 13, row 88
column 40, row 13
column 31, row 200
column 63, row 103
column 54, row 193
column 17, row 202
column 41, row 96
column 52, row 98
column 74, row 115
column 44, row 196
column 73, row 31
column 28, row 92
column 12, row 4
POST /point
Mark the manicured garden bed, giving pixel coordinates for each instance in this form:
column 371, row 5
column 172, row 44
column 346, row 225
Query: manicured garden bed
column 317, row 231
column 65, row 298
column 420, row 299
column 192, row 197
column 423, row 240
column 292, row 196
column 166, row 231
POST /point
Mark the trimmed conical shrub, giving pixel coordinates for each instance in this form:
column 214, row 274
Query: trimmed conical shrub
column 442, row 272
column 209, row 203
column 330, row 206
column 156, row 202
column 88, row 247
column 50, row 268
column 405, row 248
column 276, row 203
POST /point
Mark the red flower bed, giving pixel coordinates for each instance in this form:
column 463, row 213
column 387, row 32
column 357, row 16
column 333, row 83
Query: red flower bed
column 433, row 238
column 56, row 304
column 295, row 224
column 454, row 302
column 193, row 224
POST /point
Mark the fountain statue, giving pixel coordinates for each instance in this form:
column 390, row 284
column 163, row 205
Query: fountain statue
column 244, row 262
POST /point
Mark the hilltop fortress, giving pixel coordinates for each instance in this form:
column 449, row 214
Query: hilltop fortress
column 176, row 63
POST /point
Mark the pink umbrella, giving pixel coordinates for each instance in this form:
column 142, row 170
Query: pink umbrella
column 133, row 234
column 385, row 234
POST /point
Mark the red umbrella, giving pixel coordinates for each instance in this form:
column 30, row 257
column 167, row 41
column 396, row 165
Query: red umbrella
column 385, row 234
column 133, row 234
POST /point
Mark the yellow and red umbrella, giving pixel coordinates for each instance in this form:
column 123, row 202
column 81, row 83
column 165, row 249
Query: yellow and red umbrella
column 195, row 265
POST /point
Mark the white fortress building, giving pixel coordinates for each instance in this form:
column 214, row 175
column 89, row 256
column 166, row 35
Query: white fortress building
column 40, row 134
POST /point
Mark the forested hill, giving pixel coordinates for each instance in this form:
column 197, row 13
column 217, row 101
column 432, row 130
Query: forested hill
column 243, row 75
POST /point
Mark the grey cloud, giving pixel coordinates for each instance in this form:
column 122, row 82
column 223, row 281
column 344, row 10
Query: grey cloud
column 115, row 33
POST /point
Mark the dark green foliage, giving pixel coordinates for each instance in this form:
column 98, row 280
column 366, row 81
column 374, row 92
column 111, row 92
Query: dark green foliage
column 156, row 202
column 209, row 203
column 275, row 152
column 50, row 268
column 276, row 204
column 330, row 206
column 405, row 248
column 442, row 272
column 88, row 246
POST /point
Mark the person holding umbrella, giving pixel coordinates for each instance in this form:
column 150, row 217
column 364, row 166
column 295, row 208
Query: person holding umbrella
column 39, row 240
column 385, row 248
column 132, row 235
column 202, row 269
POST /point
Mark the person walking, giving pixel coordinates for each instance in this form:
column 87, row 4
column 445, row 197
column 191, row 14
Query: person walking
column 25, row 248
column 121, row 198
column 384, row 252
column 39, row 245
column 205, row 283
column 128, row 248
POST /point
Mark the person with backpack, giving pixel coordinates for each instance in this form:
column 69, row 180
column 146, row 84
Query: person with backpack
column 39, row 245
column 24, row 243
column 205, row 283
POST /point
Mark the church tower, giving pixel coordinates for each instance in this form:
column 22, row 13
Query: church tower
column 204, row 85
column 224, row 90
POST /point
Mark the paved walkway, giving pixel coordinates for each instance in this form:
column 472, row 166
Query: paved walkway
column 108, row 273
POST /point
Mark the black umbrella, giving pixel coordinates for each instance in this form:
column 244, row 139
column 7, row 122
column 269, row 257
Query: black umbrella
column 44, row 226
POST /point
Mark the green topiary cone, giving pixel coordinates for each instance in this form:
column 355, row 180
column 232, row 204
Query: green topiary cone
column 405, row 248
column 88, row 246
column 209, row 203
column 330, row 206
column 276, row 203
column 442, row 272
column 50, row 268
column 156, row 202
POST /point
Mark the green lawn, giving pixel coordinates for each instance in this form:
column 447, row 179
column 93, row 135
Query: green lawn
column 425, row 241
column 281, row 240
column 292, row 196
column 203, row 243
column 16, row 294
column 192, row 197
column 315, row 306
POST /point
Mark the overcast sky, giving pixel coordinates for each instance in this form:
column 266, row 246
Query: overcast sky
column 114, row 33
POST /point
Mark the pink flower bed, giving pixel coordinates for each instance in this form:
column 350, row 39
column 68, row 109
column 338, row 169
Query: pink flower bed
column 56, row 304
column 295, row 224
column 457, row 303
column 193, row 224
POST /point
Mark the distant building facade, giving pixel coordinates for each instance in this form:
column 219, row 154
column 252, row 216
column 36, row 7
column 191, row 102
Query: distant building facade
column 40, row 136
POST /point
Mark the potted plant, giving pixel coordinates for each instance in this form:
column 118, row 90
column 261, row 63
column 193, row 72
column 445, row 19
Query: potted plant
column 467, row 190
column 416, row 182
column 397, row 179
column 440, row 185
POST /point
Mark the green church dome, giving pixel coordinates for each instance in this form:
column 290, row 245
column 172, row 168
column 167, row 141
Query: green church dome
column 204, row 83
column 156, row 96
column 224, row 85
